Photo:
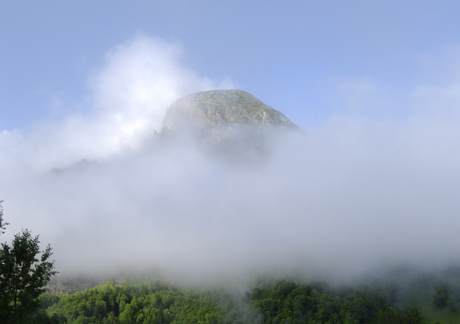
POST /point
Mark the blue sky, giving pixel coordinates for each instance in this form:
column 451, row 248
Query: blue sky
column 309, row 59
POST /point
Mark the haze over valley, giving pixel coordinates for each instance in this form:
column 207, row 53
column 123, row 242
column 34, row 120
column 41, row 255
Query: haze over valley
column 212, row 143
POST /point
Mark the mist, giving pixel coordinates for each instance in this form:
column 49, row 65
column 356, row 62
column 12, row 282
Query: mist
column 351, row 195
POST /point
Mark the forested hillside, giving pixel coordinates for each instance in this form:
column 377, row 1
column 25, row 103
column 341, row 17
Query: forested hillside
column 422, row 300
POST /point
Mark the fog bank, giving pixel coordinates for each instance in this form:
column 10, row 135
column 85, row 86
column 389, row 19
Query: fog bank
column 341, row 199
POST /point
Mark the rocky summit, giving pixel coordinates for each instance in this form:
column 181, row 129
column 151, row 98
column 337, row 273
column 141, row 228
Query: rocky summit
column 222, row 109
column 231, row 124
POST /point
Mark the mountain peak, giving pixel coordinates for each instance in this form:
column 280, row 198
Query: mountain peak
column 222, row 108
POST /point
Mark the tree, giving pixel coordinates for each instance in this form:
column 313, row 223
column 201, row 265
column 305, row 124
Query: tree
column 441, row 296
column 2, row 223
column 24, row 271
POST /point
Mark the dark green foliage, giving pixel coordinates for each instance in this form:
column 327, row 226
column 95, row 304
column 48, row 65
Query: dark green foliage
column 24, row 272
column 269, row 302
column 318, row 303
column 407, row 315
column 441, row 297
column 150, row 302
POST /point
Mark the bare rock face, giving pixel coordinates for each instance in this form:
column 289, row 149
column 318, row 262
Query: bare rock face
column 222, row 109
column 230, row 123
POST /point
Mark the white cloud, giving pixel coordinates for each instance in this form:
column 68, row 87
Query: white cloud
column 350, row 195
column 140, row 80
column 437, row 101
column 129, row 96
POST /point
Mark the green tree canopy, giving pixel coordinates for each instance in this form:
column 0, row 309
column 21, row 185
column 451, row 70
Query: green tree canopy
column 24, row 271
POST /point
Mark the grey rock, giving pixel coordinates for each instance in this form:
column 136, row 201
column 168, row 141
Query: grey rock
column 230, row 124
column 222, row 109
